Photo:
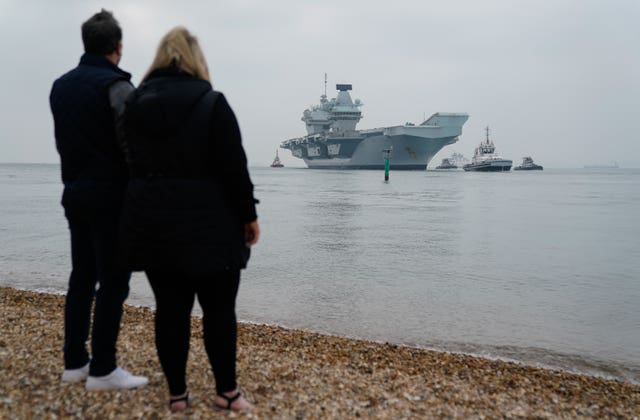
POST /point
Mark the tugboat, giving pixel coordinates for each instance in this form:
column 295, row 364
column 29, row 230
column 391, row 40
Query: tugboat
column 276, row 162
column 485, row 159
column 446, row 164
column 528, row 165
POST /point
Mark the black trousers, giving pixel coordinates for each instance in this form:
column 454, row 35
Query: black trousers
column 93, row 224
column 175, row 294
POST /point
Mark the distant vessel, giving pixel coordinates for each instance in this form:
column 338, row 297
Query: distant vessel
column 486, row 160
column 455, row 161
column 458, row 159
column 446, row 164
column 276, row 162
column 528, row 165
column 614, row 166
column 332, row 141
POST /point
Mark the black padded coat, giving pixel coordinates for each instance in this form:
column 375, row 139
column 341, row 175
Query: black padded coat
column 189, row 193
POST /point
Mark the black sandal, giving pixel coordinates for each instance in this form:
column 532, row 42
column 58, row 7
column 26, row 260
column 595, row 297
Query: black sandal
column 229, row 400
column 184, row 398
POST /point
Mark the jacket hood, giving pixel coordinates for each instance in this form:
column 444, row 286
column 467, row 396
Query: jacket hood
column 162, row 104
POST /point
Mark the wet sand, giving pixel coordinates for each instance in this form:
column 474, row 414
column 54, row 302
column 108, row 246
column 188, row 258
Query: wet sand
column 289, row 374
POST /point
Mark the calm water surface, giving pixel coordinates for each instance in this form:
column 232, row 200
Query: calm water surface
column 539, row 267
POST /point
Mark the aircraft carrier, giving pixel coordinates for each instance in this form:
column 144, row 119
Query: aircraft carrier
column 332, row 141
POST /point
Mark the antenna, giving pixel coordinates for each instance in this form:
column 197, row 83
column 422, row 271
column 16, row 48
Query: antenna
column 325, row 84
column 487, row 130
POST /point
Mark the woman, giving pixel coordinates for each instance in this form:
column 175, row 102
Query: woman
column 189, row 216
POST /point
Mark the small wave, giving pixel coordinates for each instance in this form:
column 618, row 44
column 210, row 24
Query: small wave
column 530, row 356
column 547, row 359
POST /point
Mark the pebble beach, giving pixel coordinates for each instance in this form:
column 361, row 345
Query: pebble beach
column 289, row 374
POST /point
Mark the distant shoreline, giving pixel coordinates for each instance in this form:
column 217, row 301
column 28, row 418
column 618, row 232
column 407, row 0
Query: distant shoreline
column 289, row 166
column 290, row 373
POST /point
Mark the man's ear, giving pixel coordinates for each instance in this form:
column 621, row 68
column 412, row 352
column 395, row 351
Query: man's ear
column 119, row 48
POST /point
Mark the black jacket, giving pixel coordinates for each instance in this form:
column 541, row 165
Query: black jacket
column 84, row 122
column 190, row 193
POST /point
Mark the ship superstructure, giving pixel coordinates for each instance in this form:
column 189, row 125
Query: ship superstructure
column 332, row 141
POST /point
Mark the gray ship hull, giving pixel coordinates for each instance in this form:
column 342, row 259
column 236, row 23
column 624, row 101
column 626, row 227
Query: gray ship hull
column 413, row 147
column 528, row 168
column 501, row 165
column 408, row 153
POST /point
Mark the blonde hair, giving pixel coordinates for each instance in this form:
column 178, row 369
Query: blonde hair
column 178, row 48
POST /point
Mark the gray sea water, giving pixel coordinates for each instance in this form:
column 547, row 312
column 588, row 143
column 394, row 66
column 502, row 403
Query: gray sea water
column 537, row 267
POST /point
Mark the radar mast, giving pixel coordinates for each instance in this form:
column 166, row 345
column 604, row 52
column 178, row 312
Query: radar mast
column 325, row 85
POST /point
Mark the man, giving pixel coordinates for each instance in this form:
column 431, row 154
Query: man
column 86, row 103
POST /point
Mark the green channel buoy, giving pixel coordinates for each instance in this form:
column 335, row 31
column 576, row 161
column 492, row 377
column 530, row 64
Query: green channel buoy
column 387, row 158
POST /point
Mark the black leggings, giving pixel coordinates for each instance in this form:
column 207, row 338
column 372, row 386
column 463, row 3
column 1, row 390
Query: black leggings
column 175, row 293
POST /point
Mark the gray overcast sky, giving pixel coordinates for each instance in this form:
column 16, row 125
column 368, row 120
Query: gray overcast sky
column 556, row 79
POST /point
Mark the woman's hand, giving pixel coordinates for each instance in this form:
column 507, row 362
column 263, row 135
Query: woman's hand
column 251, row 233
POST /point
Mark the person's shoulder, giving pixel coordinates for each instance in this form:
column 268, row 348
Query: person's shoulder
column 64, row 80
column 119, row 91
column 221, row 110
column 67, row 75
column 220, row 97
column 122, row 85
column 220, row 103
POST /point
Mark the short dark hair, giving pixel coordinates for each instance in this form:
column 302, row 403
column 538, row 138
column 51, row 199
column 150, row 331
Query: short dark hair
column 101, row 33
